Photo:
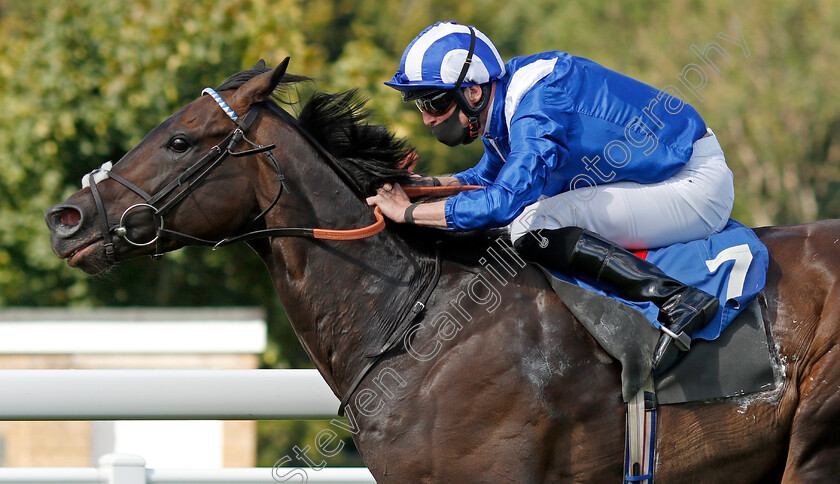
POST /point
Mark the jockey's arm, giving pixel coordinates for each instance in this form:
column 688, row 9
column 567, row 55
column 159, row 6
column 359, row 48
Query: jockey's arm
column 434, row 181
column 448, row 181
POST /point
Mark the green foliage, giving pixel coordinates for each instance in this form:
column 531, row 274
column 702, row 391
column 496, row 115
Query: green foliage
column 81, row 82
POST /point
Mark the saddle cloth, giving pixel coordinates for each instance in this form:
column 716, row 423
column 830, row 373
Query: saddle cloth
column 731, row 264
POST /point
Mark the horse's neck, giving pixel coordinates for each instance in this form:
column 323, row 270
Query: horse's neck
column 339, row 295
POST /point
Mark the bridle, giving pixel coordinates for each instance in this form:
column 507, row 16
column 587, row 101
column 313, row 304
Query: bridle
column 192, row 177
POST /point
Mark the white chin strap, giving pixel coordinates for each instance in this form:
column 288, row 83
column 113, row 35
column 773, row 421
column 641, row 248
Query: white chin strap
column 99, row 174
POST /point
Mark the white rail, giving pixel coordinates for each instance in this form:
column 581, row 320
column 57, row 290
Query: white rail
column 165, row 395
column 131, row 469
column 168, row 395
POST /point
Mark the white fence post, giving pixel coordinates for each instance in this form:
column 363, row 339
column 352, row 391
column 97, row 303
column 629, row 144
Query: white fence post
column 122, row 469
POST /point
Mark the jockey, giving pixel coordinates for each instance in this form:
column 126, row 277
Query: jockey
column 580, row 162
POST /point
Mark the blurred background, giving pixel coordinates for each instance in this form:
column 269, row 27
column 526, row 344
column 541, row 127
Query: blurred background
column 82, row 81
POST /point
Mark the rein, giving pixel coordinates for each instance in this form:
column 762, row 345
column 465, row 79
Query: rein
column 336, row 234
column 192, row 177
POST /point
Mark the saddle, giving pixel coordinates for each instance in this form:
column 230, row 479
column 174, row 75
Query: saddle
column 739, row 362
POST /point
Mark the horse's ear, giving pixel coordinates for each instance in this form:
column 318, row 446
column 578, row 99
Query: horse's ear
column 278, row 73
column 259, row 88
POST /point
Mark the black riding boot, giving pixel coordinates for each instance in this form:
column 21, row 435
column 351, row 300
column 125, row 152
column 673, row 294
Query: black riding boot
column 583, row 254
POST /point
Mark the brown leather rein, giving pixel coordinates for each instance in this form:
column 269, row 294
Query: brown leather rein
column 379, row 225
column 338, row 234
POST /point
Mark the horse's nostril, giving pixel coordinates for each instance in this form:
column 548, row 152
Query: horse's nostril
column 64, row 219
column 69, row 217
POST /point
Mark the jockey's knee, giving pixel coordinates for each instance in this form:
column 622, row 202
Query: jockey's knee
column 549, row 247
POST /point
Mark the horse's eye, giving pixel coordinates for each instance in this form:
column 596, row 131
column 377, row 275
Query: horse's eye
column 179, row 144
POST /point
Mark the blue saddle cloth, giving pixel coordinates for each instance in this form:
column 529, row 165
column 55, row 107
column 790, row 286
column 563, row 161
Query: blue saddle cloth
column 731, row 264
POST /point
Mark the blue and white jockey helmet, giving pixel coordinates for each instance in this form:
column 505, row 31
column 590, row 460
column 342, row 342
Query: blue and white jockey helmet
column 434, row 59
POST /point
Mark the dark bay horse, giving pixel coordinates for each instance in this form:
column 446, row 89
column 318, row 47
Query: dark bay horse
column 495, row 381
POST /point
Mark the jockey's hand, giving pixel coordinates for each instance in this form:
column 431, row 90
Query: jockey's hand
column 392, row 200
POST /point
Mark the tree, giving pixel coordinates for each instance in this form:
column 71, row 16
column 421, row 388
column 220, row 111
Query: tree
column 83, row 81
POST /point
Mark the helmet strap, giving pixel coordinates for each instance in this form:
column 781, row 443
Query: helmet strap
column 472, row 112
column 468, row 60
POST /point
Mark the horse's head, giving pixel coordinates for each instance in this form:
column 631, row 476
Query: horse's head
column 193, row 174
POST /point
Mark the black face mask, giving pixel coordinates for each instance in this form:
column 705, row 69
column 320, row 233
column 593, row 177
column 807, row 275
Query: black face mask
column 452, row 133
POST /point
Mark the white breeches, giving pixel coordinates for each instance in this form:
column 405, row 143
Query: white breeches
column 692, row 204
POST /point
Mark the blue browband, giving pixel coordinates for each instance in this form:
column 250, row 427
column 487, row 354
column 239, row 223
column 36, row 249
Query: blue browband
column 221, row 102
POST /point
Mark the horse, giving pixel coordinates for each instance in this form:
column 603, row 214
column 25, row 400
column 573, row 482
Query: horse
column 454, row 360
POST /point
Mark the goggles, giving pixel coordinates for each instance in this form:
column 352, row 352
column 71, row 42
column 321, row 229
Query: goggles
column 435, row 104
